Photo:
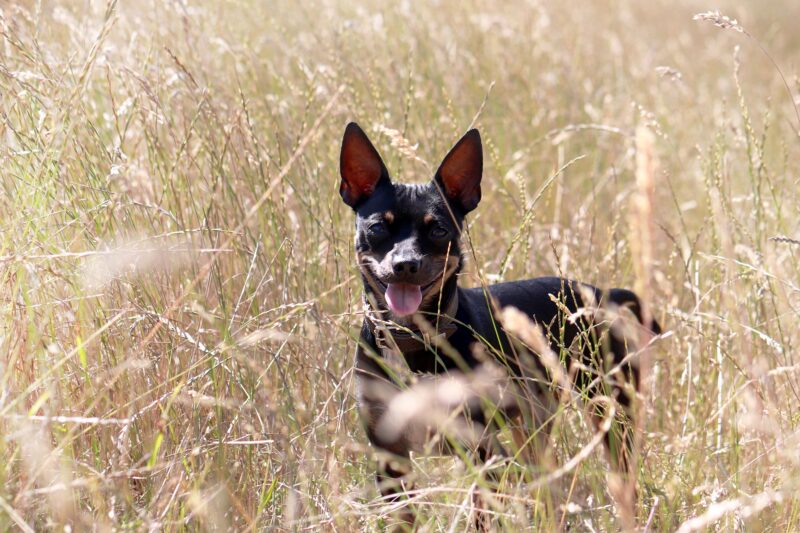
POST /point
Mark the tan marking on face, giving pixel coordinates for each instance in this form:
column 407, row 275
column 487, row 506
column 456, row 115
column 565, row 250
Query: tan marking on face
column 388, row 216
column 376, row 288
column 428, row 218
column 449, row 266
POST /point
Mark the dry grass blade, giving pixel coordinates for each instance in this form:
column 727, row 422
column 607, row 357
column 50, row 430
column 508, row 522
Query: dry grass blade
column 785, row 240
column 15, row 517
column 404, row 146
column 719, row 20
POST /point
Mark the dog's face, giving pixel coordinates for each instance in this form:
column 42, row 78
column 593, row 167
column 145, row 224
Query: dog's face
column 408, row 236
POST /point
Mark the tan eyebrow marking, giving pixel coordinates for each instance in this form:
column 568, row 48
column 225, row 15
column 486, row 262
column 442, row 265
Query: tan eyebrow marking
column 428, row 218
column 388, row 216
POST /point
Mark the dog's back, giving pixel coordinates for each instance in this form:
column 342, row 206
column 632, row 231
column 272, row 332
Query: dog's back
column 547, row 301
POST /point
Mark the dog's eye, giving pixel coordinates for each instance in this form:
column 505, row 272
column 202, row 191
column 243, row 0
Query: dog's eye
column 378, row 229
column 438, row 232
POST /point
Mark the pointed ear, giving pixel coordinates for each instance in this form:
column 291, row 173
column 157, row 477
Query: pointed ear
column 460, row 173
column 360, row 165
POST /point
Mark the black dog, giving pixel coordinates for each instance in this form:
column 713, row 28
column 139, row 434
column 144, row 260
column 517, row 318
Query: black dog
column 409, row 253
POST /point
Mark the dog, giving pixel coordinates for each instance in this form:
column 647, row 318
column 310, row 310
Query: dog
column 409, row 252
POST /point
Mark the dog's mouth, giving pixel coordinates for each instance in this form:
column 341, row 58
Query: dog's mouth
column 403, row 299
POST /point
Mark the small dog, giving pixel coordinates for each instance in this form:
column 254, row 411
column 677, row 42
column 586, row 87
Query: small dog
column 409, row 253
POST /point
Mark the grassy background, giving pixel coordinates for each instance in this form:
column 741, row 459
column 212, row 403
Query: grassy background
column 179, row 298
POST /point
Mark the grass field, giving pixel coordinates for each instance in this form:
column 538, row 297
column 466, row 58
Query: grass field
column 179, row 296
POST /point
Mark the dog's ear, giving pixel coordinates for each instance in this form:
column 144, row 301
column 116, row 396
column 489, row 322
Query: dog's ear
column 361, row 166
column 459, row 176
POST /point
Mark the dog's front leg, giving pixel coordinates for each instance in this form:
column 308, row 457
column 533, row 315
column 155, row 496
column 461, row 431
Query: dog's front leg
column 375, row 392
column 392, row 483
column 488, row 451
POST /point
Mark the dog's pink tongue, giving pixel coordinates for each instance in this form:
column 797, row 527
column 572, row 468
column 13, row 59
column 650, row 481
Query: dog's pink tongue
column 403, row 299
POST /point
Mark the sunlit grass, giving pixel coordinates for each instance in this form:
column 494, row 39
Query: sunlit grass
column 180, row 299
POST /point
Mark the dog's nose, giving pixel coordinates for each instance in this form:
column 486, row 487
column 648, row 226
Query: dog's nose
column 406, row 266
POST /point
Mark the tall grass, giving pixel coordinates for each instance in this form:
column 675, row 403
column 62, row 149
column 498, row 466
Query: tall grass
column 179, row 296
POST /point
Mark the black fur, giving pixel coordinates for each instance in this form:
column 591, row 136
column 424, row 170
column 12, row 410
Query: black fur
column 407, row 234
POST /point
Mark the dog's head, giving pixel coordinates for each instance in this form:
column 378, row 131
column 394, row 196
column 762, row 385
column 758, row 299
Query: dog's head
column 408, row 236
